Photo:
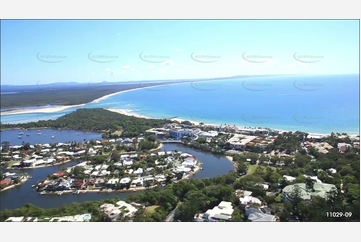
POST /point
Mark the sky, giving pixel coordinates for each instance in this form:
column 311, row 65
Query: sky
column 48, row 51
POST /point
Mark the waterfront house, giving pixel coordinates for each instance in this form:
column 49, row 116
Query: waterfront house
column 58, row 174
column 137, row 182
column 112, row 182
column 125, row 180
column 6, row 182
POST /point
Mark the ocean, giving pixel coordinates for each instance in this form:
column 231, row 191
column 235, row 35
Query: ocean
column 314, row 104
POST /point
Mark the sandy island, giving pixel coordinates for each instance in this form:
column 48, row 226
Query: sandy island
column 40, row 110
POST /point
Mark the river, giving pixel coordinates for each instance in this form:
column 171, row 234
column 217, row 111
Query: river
column 31, row 136
column 20, row 195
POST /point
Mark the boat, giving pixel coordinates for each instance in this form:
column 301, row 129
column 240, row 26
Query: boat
column 52, row 137
column 20, row 136
column 43, row 192
column 77, row 192
column 201, row 168
column 27, row 134
column 33, row 186
column 21, row 133
column 74, row 192
column 39, row 133
column 60, row 193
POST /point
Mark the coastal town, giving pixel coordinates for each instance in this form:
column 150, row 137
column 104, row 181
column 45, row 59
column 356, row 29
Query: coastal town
column 132, row 164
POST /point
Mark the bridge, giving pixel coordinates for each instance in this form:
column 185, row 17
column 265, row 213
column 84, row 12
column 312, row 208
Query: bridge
column 171, row 141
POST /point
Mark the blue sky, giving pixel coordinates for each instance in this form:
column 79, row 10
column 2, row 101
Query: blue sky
column 50, row 51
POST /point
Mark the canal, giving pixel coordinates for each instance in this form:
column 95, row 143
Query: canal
column 20, row 195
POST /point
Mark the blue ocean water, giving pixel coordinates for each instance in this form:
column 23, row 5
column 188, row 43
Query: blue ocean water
column 315, row 104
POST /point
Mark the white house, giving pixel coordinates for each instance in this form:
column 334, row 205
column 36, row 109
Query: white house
column 222, row 212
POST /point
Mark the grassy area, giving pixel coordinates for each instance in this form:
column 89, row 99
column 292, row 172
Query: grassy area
column 151, row 209
column 11, row 163
column 251, row 169
column 118, row 132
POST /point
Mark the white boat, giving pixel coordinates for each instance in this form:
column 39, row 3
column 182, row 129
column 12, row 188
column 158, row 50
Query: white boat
column 39, row 133
column 20, row 136
column 21, row 133
column 43, row 192
column 52, row 137
column 77, row 192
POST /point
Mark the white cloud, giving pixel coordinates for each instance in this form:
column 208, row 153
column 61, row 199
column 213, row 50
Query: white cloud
column 126, row 67
column 107, row 69
column 167, row 63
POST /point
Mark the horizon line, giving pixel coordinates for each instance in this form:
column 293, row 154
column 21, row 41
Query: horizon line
column 188, row 79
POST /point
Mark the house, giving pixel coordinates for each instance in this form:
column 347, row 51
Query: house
column 5, row 182
column 127, row 162
column 245, row 197
column 222, row 212
column 128, row 209
column 125, row 180
column 137, row 182
column 289, row 178
column 332, row 170
column 318, row 189
column 259, row 214
column 59, row 174
column 139, row 171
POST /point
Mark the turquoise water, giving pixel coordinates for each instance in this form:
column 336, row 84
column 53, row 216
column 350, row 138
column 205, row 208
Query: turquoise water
column 315, row 104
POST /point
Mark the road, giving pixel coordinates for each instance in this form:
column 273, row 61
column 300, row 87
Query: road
column 170, row 216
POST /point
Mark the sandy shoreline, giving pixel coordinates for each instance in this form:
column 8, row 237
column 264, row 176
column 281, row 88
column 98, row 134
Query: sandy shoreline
column 131, row 113
column 42, row 166
column 40, row 110
column 135, row 189
column 230, row 158
column 15, row 185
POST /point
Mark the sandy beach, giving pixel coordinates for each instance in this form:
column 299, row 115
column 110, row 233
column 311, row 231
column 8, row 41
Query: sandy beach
column 130, row 113
column 230, row 158
column 40, row 110
column 140, row 87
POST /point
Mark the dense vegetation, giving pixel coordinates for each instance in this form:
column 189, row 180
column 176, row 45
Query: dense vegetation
column 97, row 120
column 196, row 196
